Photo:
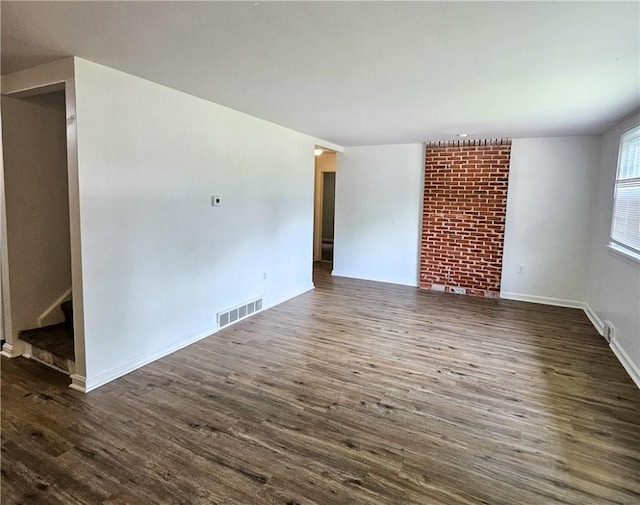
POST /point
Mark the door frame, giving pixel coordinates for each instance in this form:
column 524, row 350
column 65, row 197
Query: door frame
column 320, row 170
column 56, row 76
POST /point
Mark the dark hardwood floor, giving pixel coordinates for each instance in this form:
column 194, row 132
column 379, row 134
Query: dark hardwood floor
column 354, row 393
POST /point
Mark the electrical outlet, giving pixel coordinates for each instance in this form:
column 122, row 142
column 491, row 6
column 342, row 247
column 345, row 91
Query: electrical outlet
column 521, row 269
column 264, row 275
column 458, row 291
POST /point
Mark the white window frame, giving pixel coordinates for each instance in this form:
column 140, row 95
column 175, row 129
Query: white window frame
column 630, row 251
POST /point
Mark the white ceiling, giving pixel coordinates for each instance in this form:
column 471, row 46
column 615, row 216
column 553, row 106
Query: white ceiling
column 359, row 73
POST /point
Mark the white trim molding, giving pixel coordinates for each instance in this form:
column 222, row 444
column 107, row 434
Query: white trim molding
column 78, row 383
column 625, row 360
column 329, row 145
column 622, row 253
column 545, row 300
column 91, row 383
column 12, row 350
column 595, row 320
column 618, row 351
column 388, row 280
column 298, row 292
column 46, row 317
column 32, row 80
column 86, row 384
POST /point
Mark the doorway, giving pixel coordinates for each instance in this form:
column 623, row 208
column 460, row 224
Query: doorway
column 38, row 242
column 328, row 215
column 324, row 208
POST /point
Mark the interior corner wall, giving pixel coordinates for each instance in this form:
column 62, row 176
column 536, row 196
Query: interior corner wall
column 613, row 290
column 549, row 219
column 37, row 204
column 159, row 262
column 463, row 219
column 377, row 221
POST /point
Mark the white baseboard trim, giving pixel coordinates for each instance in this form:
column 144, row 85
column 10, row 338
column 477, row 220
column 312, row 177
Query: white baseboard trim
column 78, row 382
column 394, row 280
column 91, row 383
column 625, row 360
column 87, row 384
column 545, row 300
column 595, row 320
column 43, row 320
column 12, row 350
column 288, row 297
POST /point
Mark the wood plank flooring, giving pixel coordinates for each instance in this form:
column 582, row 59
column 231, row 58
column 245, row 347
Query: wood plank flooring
column 356, row 393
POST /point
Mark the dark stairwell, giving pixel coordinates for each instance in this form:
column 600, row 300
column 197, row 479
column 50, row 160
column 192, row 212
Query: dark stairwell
column 53, row 345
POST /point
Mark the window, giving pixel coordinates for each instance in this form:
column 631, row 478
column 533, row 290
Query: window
column 625, row 226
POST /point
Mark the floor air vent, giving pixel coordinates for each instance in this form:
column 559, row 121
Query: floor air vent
column 235, row 314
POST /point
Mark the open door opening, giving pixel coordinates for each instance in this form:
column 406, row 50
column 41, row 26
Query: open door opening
column 328, row 215
column 325, row 184
column 38, row 246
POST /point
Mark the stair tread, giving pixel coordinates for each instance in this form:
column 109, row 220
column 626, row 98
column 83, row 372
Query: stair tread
column 56, row 339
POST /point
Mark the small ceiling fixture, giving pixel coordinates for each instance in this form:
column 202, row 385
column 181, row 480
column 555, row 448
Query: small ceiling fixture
column 318, row 151
column 463, row 135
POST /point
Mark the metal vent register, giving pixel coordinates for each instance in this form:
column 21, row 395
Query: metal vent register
column 235, row 314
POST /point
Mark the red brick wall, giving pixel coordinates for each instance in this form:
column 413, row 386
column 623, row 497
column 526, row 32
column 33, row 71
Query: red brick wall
column 465, row 204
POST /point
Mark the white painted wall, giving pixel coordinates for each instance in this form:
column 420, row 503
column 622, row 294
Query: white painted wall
column 158, row 261
column 549, row 216
column 37, row 204
column 613, row 292
column 378, row 209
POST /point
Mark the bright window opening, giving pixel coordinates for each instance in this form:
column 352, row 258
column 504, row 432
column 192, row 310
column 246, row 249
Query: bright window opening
column 625, row 225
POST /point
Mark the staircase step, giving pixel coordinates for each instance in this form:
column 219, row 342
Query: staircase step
column 67, row 309
column 51, row 345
